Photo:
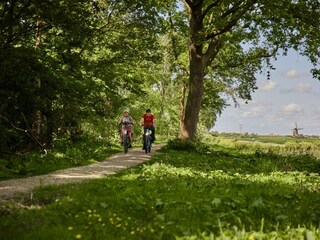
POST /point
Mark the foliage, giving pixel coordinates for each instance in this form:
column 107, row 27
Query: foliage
column 65, row 154
column 220, row 192
column 188, row 146
column 66, row 63
column 230, row 41
column 68, row 68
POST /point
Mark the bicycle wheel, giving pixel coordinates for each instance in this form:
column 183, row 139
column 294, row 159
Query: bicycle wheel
column 125, row 143
column 145, row 144
column 148, row 144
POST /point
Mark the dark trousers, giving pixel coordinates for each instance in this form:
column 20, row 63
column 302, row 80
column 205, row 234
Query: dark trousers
column 153, row 131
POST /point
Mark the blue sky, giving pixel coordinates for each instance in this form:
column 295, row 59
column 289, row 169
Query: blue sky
column 290, row 96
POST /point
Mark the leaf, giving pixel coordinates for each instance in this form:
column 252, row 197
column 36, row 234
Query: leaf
column 288, row 196
column 216, row 201
column 103, row 205
column 309, row 235
column 281, row 217
column 258, row 203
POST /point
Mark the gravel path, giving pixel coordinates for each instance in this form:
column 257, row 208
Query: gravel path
column 10, row 189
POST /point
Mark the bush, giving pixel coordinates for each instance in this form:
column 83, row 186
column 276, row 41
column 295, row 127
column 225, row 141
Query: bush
column 188, row 145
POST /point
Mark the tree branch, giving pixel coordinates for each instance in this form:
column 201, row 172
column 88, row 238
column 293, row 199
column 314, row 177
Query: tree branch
column 212, row 5
column 261, row 54
column 29, row 132
column 212, row 51
column 26, row 131
column 232, row 10
column 99, row 30
column 233, row 21
column 188, row 2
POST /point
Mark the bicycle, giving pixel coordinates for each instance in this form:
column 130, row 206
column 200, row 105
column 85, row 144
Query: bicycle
column 126, row 139
column 147, row 140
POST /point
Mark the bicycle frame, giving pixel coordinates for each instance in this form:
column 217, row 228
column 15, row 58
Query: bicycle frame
column 147, row 140
column 126, row 140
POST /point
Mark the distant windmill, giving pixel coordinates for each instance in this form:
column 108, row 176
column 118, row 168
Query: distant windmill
column 295, row 132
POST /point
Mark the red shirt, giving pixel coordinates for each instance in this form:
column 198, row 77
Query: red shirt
column 148, row 120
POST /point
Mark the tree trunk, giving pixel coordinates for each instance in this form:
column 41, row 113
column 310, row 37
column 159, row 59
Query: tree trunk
column 199, row 60
column 36, row 125
column 189, row 125
column 48, row 118
column 182, row 101
column 190, row 122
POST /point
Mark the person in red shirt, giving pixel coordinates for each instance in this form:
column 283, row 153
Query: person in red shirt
column 148, row 121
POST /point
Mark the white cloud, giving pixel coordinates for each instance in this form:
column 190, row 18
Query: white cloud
column 248, row 114
column 255, row 111
column 292, row 108
column 275, row 118
column 303, row 88
column 286, row 90
column 293, row 73
column 269, row 86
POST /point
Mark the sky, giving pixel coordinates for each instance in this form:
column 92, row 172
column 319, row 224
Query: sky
column 290, row 97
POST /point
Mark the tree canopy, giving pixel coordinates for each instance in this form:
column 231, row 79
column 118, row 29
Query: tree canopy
column 229, row 41
column 67, row 63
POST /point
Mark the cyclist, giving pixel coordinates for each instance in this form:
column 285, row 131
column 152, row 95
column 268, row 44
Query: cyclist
column 148, row 121
column 126, row 121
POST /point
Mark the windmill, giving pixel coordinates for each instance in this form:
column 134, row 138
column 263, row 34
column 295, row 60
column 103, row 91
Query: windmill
column 295, row 132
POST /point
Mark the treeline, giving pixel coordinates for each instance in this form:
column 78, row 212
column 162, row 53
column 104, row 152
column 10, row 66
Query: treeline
column 63, row 63
column 70, row 67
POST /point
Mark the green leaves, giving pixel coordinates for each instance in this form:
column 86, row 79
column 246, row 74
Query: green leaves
column 92, row 57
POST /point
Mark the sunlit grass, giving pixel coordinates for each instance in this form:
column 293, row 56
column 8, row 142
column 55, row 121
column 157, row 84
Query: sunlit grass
column 216, row 191
column 64, row 155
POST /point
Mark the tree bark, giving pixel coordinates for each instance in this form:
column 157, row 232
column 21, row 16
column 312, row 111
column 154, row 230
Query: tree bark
column 182, row 101
column 199, row 60
column 36, row 125
column 190, row 121
column 189, row 125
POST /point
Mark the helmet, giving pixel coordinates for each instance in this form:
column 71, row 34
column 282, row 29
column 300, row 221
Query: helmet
column 148, row 110
column 126, row 110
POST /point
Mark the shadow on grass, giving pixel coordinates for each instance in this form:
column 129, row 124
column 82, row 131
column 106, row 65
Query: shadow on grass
column 180, row 193
column 165, row 201
column 235, row 160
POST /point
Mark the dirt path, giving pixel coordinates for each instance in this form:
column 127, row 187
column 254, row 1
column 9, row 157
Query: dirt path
column 12, row 188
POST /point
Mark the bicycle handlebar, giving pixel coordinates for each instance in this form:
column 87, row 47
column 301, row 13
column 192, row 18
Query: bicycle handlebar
column 142, row 125
column 126, row 123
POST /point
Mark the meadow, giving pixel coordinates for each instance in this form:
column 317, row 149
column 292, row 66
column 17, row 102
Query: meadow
column 213, row 189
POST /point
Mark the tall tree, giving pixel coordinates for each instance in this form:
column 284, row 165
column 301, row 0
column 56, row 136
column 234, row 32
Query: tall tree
column 232, row 39
column 37, row 52
column 86, row 63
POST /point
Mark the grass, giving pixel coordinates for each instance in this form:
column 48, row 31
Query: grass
column 280, row 139
column 189, row 191
column 65, row 154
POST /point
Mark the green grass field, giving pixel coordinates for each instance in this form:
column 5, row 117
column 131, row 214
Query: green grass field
column 279, row 139
column 220, row 189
